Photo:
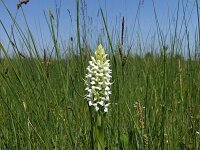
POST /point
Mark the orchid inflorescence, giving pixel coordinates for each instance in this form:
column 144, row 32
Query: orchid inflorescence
column 98, row 81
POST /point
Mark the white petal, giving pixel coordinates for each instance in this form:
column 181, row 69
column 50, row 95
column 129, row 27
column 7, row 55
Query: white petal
column 95, row 99
column 107, row 93
column 100, row 74
column 107, row 83
column 92, row 82
column 108, row 71
column 100, row 83
column 105, row 109
column 107, row 61
column 96, row 108
column 106, row 68
column 107, row 98
column 89, row 96
column 88, row 76
column 103, row 98
column 107, row 88
column 101, row 70
column 89, row 90
column 93, row 79
column 93, row 59
column 90, row 103
column 107, row 75
column 98, row 88
column 96, row 67
column 91, row 63
column 107, row 105
column 101, row 103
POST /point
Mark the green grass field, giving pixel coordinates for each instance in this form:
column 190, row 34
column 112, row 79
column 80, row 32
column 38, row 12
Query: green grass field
column 155, row 100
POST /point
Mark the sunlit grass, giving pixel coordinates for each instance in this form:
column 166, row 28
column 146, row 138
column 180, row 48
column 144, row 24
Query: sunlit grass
column 155, row 101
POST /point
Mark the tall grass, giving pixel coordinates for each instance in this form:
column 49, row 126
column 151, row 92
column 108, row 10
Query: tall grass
column 155, row 96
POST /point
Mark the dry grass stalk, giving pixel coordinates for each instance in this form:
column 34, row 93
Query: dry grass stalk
column 146, row 140
column 22, row 2
column 139, row 110
column 122, row 34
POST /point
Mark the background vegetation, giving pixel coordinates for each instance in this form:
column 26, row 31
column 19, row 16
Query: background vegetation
column 155, row 95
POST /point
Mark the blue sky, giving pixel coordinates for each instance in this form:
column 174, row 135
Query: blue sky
column 113, row 10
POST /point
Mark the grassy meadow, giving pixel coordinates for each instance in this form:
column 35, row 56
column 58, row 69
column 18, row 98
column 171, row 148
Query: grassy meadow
column 155, row 100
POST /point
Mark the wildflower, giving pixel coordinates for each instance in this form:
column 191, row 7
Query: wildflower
column 98, row 81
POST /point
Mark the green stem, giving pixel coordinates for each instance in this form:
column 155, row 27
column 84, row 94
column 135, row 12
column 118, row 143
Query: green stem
column 100, row 132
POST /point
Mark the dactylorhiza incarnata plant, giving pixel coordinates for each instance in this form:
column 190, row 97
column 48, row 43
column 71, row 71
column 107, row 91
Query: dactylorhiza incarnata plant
column 98, row 83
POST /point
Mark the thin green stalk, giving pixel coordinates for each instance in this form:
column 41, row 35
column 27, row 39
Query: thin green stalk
column 99, row 131
column 198, row 18
column 78, row 28
column 109, row 39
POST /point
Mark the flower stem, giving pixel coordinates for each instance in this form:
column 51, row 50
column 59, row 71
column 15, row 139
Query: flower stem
column 100, row 131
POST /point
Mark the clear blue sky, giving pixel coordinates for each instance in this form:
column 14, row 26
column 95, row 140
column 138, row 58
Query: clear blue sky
column 113, row 9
